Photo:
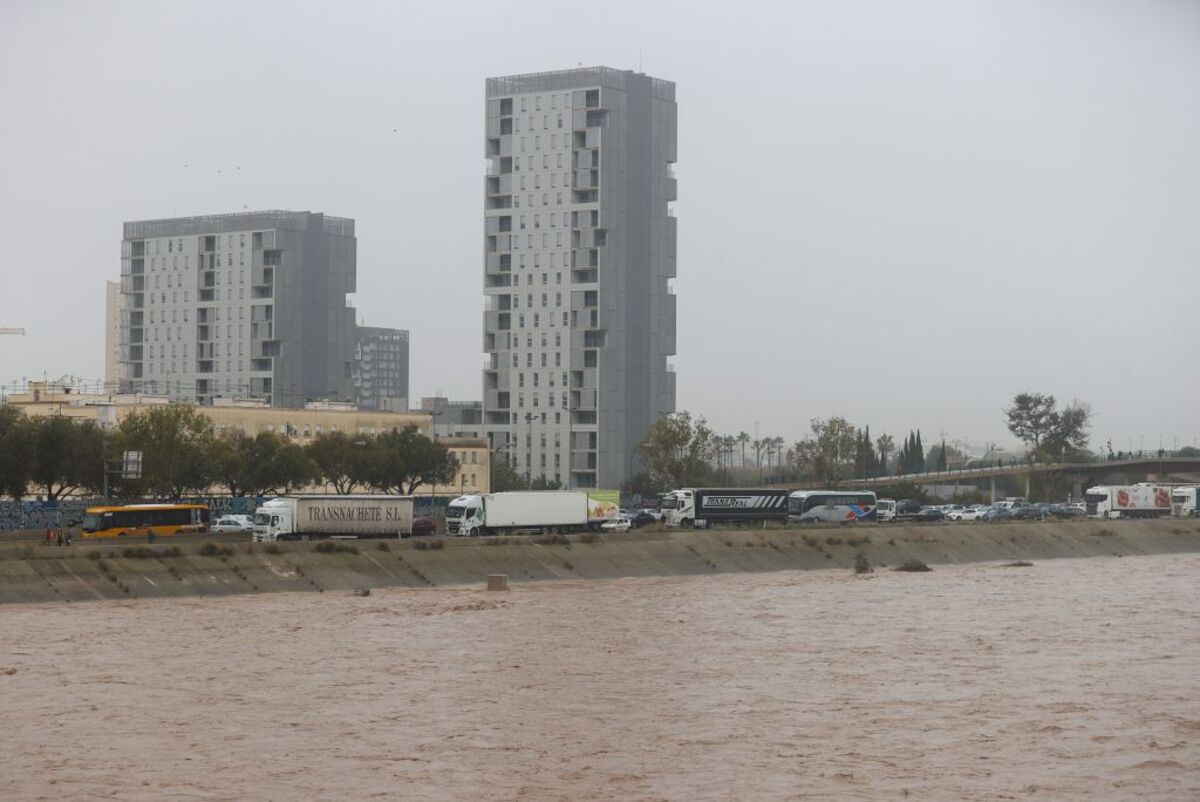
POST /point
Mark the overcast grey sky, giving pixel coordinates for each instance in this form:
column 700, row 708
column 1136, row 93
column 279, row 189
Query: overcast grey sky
column 903, row 213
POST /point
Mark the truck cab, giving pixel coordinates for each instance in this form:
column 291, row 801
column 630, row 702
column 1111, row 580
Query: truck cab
column 679, row 508
column 1183, row 502
column 885, row 509
column 272, row 519
column 465, row 516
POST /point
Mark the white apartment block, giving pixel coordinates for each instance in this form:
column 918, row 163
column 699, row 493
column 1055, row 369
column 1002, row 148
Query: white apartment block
column 248, row 305
column 112, row 335
column 579, row 242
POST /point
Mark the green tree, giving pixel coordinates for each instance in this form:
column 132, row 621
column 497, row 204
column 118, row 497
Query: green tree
column 542, row 483
column 743, row 438
column 342, row 460
column 233, row 461
column 285, row 466
column 1050, row 432
column 885, row 446
column 404, row 459
column 829, row 454
column 641, row 485
column 68, row 456
column 504, row 477
column 937, row 456
column 17, row 452
column 676, row 451
column 177, row 445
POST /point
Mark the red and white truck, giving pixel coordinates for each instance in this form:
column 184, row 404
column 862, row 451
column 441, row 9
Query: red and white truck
column 1143, row 500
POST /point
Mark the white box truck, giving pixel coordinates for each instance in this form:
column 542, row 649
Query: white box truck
column 531, row 511
column 1128, row 501
column 319, row 517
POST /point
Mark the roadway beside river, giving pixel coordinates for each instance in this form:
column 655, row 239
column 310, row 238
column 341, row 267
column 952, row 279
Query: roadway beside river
column 205, row 566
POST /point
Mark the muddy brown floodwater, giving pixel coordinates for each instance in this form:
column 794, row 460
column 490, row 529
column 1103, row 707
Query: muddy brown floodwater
column 1068, row 680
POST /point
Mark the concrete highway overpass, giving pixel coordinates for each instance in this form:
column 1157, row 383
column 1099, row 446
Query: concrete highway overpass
column 1079, row 475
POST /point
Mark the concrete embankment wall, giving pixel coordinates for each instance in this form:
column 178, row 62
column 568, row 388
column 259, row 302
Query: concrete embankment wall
column 87, row 570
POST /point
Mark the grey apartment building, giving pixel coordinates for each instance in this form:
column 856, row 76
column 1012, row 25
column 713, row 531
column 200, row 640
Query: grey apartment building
column 249, row 305
column 579, row 242
column 380, row 371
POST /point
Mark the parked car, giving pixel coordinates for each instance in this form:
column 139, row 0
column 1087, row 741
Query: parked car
column 997, row 514
column 423, row 525
column 931, row 514
column 622, row 523
column 234, row 523
column 1067, row 512
column 1030, row 513
column 966, row 514
column 643, row 518
column 653, row 513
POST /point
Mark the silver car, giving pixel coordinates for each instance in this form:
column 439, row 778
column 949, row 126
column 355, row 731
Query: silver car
column 234, row 523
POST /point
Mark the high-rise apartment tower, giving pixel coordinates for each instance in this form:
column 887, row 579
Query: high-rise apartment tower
column 579, row 242
column 381, row 369
column 239, row 305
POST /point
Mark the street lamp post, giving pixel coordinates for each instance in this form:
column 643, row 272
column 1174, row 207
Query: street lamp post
column 529, row 416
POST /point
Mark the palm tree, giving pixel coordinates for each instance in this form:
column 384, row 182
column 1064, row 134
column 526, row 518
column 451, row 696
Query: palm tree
column 743, row 439
column 716, row 444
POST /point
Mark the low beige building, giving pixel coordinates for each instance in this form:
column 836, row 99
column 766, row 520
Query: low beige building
column 474, row 466
column 300, row 425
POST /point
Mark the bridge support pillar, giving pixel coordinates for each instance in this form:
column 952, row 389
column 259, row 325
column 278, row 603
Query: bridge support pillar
column 1027, row 477
column 993, row 489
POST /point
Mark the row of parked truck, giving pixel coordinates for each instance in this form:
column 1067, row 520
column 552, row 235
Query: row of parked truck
column 323, row 516
column 561, row 511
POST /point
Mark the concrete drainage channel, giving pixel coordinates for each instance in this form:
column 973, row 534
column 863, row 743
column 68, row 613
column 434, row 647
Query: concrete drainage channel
column 199, row 567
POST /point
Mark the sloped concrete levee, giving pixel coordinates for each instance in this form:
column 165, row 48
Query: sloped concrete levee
column 91, row 571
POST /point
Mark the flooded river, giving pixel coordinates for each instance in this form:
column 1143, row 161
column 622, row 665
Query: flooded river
column 1067, row 680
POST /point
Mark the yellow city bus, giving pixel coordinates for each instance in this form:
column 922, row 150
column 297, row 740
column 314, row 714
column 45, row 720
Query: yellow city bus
column 139, row 520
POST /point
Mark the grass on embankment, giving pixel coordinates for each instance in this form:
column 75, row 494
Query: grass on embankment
column 196, row 566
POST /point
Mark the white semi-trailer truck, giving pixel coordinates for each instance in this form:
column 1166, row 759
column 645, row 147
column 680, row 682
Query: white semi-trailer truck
column 1128, row 501
column 1183, row 502
column 701, row 506
column 531, row 511
column 319, row 517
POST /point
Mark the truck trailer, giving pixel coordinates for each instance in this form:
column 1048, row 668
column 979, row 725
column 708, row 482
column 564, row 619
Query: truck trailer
column 1128, row 501
column 549, row 511
column 333, row 516
column 708, row 506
